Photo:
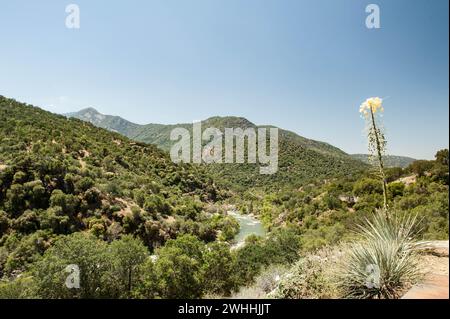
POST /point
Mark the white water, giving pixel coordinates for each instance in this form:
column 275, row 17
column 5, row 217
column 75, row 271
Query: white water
column 249, row 225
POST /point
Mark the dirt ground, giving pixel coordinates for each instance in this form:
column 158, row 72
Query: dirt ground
column 435, row 265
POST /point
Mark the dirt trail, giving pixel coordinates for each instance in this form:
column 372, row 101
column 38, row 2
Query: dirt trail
column 436, row 282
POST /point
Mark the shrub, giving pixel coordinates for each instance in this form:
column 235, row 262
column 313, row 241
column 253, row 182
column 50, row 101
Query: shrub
column 178, row 274
column 20, row 288
column 396, row 189
column 312, row 277
column 81, row 249
column 264, row 284
column 384, row 261
column 127, row 255
column 367, row 186
column 84, row 184
column 4, row 223
column 218, row 269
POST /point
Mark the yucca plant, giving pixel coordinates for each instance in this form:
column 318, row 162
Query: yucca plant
column 371, row 110
column 384, row 261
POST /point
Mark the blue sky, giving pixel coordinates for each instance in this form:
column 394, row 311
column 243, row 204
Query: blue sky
column 301, row 65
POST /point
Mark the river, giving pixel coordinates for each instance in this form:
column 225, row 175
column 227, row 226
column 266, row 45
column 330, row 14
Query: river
column 249, row 225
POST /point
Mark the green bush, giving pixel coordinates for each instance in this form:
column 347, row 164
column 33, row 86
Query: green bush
column 311, row 277
column 384, row 261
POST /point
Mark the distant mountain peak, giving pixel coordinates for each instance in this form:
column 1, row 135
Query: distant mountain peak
column 109, row 122
column 89, row 110
column 89, row 114
column 228, row 121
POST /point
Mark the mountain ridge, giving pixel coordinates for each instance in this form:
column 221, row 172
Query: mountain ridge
column 389, row 160
column 66, row 175
column 112, row 122
column 300, row 159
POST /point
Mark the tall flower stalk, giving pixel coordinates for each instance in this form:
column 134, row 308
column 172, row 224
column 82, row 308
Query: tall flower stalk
column 384, row 259
column 370, row 110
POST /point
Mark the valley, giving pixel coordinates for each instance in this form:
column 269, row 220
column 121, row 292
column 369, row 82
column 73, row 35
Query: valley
column 300, row 159
column 140, row 226
column 188, row 156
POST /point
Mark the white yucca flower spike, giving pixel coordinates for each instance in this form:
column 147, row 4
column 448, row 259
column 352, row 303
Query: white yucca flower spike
column 374, row 104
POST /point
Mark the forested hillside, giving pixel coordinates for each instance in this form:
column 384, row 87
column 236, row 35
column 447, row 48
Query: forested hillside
column 69, row 175
column 301, row 160
column 389, row 160
column 60, row 176
column 139, row 226
column 136, row 225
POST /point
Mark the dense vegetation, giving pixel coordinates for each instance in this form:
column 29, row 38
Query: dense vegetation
column 300, row 159
column 139, row 226
column 60, row 176
column 72, row 193
column 326, row 212
column 382, row 259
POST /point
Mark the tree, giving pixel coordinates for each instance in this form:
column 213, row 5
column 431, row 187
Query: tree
column 37, row 193
column 178, row 274
column 25, row 251
column 218, row 269
column 250, row 259
column 15, row 200
column 127, row 255
column 420, row 167
column 393, row 173
column 28, row 222
column 366, row 186
column 55, row 219
column 442, row 157
column 93, row 197
column 155, row 204
column 148, row 284
column 284, row 244
column 396, row 189
column 83, row 250
column 189, row 245
column 179, row 268
column 67, row 202
column 4, row 223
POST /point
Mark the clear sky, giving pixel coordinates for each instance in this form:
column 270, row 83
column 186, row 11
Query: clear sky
column 301, row 65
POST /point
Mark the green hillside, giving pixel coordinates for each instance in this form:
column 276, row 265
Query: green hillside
column 140, row 226
column 301, row 160
column 73, row 193
column 389, row 160
column 60, row 176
